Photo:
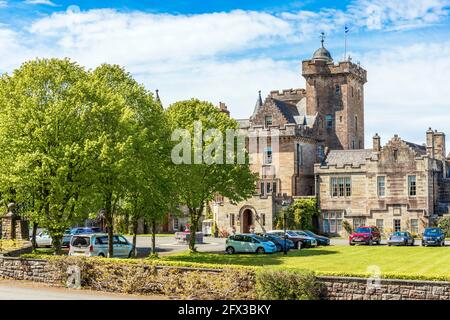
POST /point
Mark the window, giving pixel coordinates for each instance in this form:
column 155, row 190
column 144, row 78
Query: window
column 353, row 144
column 176, row 224
column 348, row 187
column 395, row 154
column 263, row 219
column 268, row 155
column 299, row 157
column 332, row 221
column 341, row 187
column 268, row 188
column 352, row 90
column 414, row 226
column 337, row 89
column 329, row 121
column 381, row 185
column 412, row 186
column 356, row 123
column 397, row 225
column 268, row 121
column 262, row 188
column 334, row 187
column 232, row 219
column 320, row 153
column 380, row 225
column 274, row 187
column 340, row 119
column 359, row 222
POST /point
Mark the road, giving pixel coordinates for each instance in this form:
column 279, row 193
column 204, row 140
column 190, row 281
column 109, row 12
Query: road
column 24, row 290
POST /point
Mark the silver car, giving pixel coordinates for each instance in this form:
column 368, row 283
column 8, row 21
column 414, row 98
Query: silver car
column 96, row 245
column 43, row 239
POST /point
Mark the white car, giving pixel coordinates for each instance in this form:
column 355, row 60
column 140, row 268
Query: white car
column 96, row 245
column 43, row 239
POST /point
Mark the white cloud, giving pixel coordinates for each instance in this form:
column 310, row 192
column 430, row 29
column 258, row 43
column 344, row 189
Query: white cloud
column 3, row 3
column 42, row 2
column 205, row 55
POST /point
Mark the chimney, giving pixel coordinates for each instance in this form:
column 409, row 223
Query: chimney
column 439, row 145
column 430, row 142
column 376, row 143
column 223, row 108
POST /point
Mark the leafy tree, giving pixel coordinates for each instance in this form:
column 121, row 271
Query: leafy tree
column 42, row 138
column 299, row 215
column 128, row 143
column 444, row 223
column 199, row 181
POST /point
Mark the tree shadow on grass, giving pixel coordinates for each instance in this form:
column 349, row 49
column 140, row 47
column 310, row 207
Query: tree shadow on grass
column 246, row 259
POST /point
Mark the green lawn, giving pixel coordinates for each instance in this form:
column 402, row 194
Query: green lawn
column 394, row 262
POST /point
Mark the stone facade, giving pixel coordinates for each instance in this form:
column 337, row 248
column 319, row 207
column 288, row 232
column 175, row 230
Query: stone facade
column 395, row 187
column 289, row 132
column 347, row 288
column 12, row 226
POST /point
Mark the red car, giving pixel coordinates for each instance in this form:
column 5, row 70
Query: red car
column 365, row 235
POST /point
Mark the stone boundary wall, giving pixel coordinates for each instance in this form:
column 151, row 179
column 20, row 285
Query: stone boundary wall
column 351, row 288
column 204, row 283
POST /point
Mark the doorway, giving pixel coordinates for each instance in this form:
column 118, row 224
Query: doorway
column 247, row 220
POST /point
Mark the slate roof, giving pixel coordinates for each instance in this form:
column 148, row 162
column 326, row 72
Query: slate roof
column 420, row 150
column 288, row 110
column 341, row 157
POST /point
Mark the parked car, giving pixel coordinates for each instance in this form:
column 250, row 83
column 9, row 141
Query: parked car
column 43, row 239
column 433, row 237
column 307, row 241
column 249, row 243
column 294, row 237
column 321, row 240
column 96, row 245
column 365, row 235
column 279, row 242
column 79, row 230
column 401, row 239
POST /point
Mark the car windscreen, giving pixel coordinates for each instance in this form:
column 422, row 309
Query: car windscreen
column 81, row 241
column 292, row 234
column 363, row 230
column 400, row 234
column 430, row 232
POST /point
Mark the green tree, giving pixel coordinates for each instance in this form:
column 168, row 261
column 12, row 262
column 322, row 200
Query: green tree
column 42, row 138
column 127, row 141
column 444, row 223
column 199, row 181
column 299, row 215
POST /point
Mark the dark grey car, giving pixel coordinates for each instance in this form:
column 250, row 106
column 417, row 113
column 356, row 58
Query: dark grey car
column 401, row 238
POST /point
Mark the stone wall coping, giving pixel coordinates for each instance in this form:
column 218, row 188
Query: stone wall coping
column 22, row 259
column 385, row 280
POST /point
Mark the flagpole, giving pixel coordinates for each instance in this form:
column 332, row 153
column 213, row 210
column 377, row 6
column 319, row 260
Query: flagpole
column 345, row 45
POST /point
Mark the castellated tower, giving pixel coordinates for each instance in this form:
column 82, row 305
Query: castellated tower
column 335, row 93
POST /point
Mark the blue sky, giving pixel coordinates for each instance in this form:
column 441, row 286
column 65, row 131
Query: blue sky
column 222, row 50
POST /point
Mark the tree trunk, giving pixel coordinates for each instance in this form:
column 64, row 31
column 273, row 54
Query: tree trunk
column 153, row 236
column 135, row 229
column 109, row 223
column 33, row 236
column 195, row 217
column 56, row 242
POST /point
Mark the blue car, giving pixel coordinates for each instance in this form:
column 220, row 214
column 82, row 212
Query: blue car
column 321, row 240
column 249, row 243
column 433, row 237
column 74, row 231
column 279, row 242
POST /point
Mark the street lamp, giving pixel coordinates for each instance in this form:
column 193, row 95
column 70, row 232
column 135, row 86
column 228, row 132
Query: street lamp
column 285, row 206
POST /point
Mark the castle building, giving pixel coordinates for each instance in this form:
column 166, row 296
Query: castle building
column 400, row 186
column 293, row 129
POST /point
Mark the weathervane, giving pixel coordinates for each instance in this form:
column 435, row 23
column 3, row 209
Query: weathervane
column 322, row 37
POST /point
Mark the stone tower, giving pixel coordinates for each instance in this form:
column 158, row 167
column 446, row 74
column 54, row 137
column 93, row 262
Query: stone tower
column 335, row 92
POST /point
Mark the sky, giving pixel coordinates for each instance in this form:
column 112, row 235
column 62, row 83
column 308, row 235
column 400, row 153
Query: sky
column 225, row 50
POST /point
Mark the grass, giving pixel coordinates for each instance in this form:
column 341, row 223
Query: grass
column 429, row 263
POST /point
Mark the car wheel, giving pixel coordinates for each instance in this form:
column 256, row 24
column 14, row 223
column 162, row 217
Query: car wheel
column 130, row 254
column 299, row 245
column 352, row 244
column 279, row 248
column 370, row 242
column 101, row 255
column 260, row 250
column 230, row 250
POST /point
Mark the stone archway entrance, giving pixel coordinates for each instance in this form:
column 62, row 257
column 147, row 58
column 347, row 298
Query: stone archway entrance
column 247, row 220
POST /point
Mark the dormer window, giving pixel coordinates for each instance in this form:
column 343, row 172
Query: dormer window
column 395, row 154
column 267, row 121
column 337, row 89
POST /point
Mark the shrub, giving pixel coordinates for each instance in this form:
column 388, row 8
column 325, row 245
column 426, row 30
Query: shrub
column 287, row 285
column 347, row 227
column 444, row 224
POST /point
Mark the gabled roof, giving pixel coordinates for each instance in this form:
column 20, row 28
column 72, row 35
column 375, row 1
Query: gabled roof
column 352, row 157
column 288, row 110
